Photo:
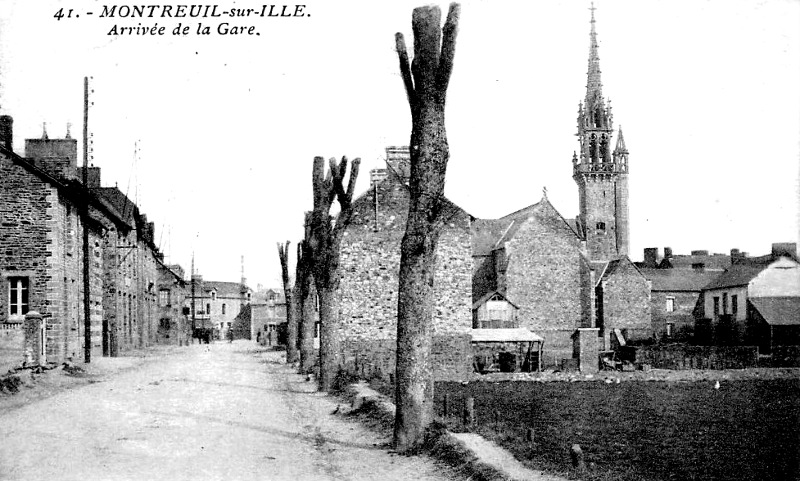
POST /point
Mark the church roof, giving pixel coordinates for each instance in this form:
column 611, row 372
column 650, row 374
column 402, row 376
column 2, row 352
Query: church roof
column 490, row 234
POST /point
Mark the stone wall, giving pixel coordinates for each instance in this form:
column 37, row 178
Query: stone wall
column 452, row 357
column 12, row 346
column 681, row 318
column 695, row 357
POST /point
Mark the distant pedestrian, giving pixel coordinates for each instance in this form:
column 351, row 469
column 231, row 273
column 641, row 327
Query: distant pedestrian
column 258, row 337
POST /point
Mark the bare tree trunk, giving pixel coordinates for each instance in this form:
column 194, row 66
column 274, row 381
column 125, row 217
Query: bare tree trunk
column 426, row 85
column 325, row 241
column 291, row 343
column 305, row 306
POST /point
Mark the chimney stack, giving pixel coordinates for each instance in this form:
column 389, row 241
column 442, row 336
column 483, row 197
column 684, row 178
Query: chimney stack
column 784, row 248
column 7, row 132
column 668, row 253
column 399, row 160
column 650, row 256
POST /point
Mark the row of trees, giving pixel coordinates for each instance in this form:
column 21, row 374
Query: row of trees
column 426, row 79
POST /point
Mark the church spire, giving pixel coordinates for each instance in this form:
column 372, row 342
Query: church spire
column 594, row 87
column 620, row 148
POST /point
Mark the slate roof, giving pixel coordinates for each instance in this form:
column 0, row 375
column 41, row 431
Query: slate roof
column 519, row 334
column 678, row 280
column 737, row 275
column 225, row 289
column 608, row 269
column 125, row 208
column 778, row 311
column 488, row 234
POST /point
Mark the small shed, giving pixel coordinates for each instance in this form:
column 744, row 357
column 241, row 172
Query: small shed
column 493, row 310
column 500, row 349
column 774, row 321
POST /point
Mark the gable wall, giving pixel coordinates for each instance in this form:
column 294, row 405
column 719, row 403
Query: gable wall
column 545, row 280
column 626, row 302
column 370, row 266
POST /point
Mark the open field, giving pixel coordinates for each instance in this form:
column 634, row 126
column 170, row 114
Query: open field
column 636, row 430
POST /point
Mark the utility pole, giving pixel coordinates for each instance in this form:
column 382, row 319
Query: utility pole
column 87, row 325
column 194, row 319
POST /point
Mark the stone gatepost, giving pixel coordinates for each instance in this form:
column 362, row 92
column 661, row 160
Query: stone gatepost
column 586, row 349
column 35, row 339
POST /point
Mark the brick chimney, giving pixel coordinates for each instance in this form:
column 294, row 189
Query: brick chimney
column 650, row 256
column 7, row 132
column 784, row 248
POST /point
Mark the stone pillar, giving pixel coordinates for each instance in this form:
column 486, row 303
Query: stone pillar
column 585, row 348
column 35, row 339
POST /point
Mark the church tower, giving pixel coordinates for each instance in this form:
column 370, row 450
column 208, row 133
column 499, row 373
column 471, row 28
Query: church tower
column 602, row 176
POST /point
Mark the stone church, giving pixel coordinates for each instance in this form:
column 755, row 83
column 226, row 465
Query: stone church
column 564, row 274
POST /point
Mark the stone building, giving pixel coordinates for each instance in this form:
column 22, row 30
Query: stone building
column 173, row 318
column 41, row 266
column 216, row 303
column 370, row 266
column 269, row 314
column 754, row 302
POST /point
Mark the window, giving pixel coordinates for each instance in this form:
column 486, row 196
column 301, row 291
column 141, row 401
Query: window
column 669, row 329
column 163, row 297
column 223, row 308
column 17, row 297
column 271, row 296
column 601, row 226
column 213, row 295
column 670, row 304
column 248, row 297
column 716, row 307
column 734, row 305
column 725, row 303
column 208, row 309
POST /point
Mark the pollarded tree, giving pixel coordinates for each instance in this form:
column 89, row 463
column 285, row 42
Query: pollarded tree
column 305, row 301
column 291, row 320
column 426, row 81
column 325, row 240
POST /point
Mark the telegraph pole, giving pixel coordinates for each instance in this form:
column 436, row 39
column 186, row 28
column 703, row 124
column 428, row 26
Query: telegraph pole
column 87, row 325
column 194, row 319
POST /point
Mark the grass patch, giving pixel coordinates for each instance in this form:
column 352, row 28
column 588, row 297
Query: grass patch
column 634, row 430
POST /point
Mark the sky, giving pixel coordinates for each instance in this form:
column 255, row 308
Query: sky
column 214, row 135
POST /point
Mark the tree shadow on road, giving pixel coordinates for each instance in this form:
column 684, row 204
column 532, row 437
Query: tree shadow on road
column 231, row 385
column 314, row 438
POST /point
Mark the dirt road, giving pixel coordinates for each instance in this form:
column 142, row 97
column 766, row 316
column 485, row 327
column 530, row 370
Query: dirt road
column 218, row 412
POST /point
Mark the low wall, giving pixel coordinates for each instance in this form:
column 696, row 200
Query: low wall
column 694, row 357
column 12, row 346
column 452, row 357
column 785, row 356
